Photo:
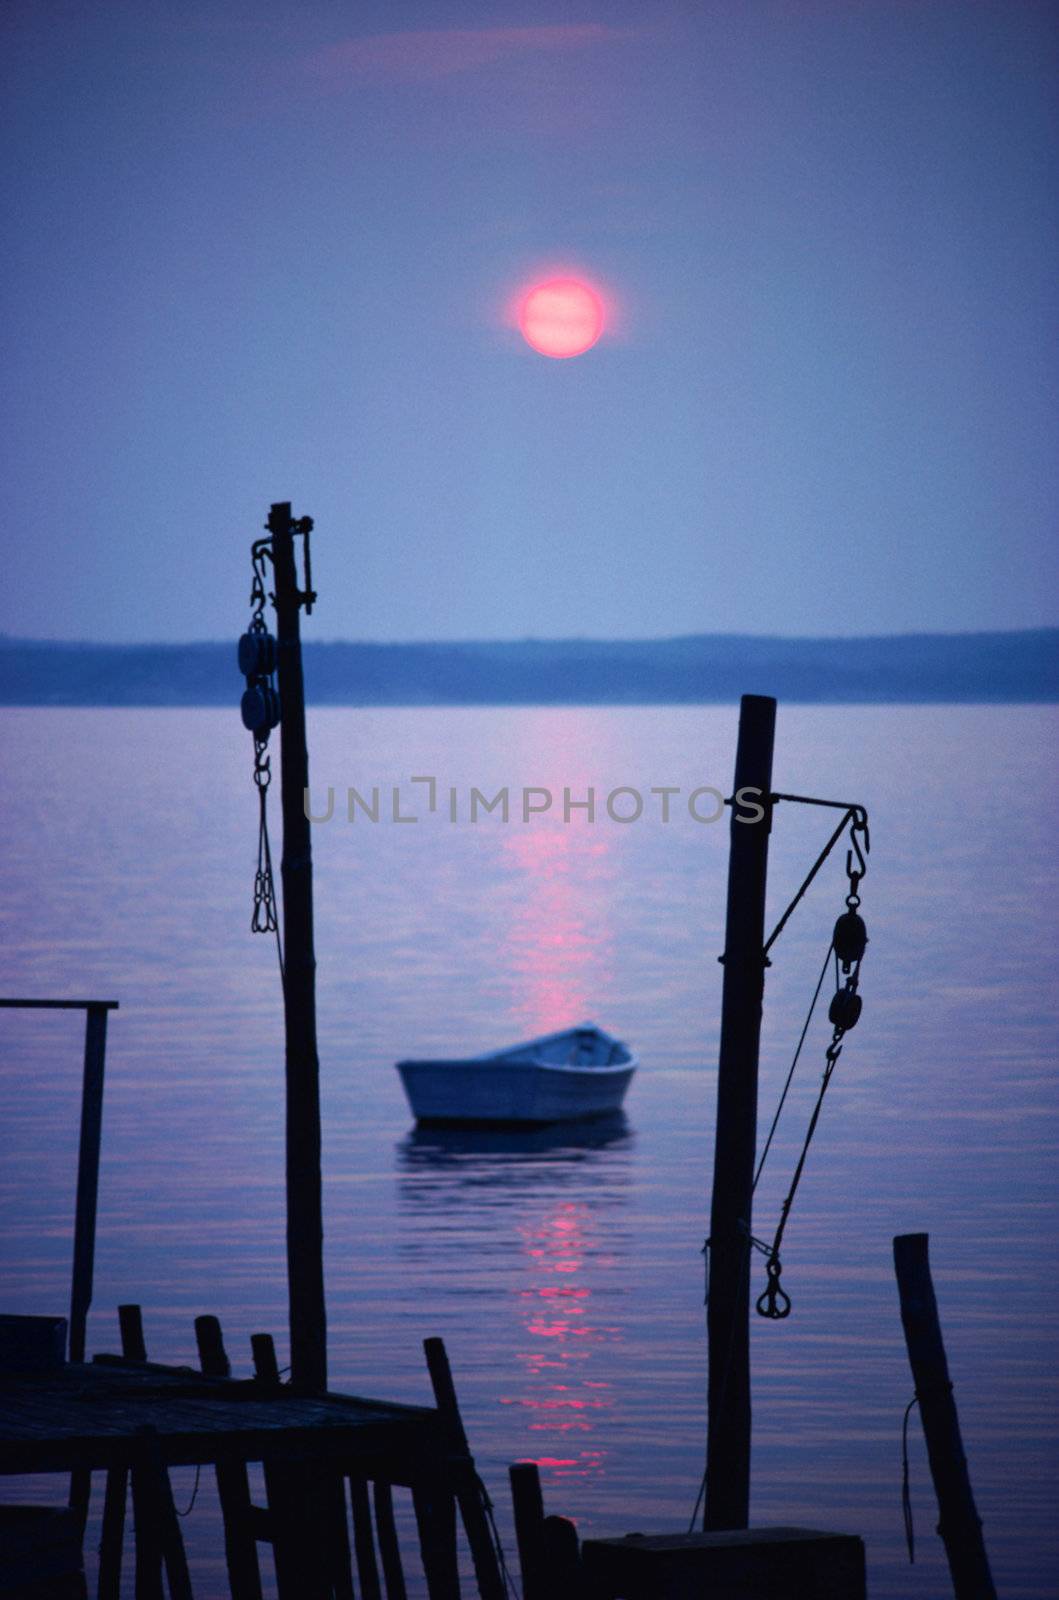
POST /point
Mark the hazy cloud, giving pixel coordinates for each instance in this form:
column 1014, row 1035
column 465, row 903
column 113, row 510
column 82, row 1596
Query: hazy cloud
column 427, row 54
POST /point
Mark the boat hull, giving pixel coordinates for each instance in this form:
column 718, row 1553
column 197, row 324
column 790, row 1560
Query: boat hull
column 469, row 1092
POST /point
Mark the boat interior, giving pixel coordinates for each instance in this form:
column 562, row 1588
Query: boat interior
column 576, row 1047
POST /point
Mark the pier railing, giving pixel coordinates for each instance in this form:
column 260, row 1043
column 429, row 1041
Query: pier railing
column 88, row 1153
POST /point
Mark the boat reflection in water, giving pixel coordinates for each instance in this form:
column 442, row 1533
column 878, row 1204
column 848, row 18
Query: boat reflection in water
column 530, row 1224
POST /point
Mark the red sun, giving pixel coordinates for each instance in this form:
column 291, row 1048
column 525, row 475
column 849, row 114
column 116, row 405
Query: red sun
column 561, row 318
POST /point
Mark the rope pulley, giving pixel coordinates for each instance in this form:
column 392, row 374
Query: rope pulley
column 257, row 652
column 257, row 660
column 850, row 939
column 848, row 944
column 259, row 707
column 844, row 1010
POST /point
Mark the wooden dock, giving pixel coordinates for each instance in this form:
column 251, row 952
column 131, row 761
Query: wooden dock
column 329, row 1460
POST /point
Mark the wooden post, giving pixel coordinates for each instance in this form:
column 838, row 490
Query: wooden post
column 468, row 1488
column 389, row 1548
column 233, row 1481
column 112, row 1535
column 528, row 1505
column 727, row 1312
column 133, row 1344
column 88, row 1174
column 959, row 1525
column 363, row 1540
column 266, row 1367
column 305, row 1231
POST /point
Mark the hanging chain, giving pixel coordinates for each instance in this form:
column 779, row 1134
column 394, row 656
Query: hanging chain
column 265, row 918
column 260, row 711
column 848, row 943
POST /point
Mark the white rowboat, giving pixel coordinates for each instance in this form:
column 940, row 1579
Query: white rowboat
column 564, row 1077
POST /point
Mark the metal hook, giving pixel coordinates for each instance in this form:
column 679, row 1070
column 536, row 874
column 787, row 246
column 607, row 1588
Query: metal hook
column 859, row 825
column 775, row 1302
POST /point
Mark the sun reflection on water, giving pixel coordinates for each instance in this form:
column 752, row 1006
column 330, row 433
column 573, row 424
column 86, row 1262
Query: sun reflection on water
column 534, row 1210
column 561, row 1401
column 558, row 941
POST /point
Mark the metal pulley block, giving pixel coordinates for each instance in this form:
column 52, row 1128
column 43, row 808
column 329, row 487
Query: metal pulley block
column 845, row 1009
column 257, row 654
column 850, row 939
column 260, row 708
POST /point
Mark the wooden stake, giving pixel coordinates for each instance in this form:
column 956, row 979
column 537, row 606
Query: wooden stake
column 233, row 1480
column 363, row 1541
column 491, row 1584
column 133, row 1344
column 305, row 1230
column 728, row 1446
column 528, row 1505
column 389, row 1548
column 959, row 1525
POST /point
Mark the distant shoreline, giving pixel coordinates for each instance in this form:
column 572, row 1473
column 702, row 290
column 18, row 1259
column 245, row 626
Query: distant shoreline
column 704, row 669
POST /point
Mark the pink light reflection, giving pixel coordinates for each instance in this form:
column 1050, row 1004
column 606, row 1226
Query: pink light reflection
column 561, row 1400
column 559, row 945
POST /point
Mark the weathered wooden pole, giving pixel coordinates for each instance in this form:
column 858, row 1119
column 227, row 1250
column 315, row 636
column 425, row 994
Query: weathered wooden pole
column 305, row 1228
column 88, row 1172
column 728, row 1307
column 959, row 1525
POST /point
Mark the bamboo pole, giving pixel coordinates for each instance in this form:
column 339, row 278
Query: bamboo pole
column 959, row 1524
column 728, row 1308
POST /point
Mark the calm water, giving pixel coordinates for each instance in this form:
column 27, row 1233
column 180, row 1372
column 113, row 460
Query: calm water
column 565, row 1276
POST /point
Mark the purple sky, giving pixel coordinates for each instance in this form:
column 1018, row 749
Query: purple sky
column 263, row 251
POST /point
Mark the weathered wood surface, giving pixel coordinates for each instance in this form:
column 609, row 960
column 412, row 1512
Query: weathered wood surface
column 959, row 1524
column 90, row 1415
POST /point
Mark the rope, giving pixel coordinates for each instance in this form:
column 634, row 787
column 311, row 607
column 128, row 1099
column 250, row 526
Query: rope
column 265, row 916
column 774, row 1302
column 906, row 1494
column 189, row 1508
column 850, row 816
column 487, row 1505
column 794, row 1063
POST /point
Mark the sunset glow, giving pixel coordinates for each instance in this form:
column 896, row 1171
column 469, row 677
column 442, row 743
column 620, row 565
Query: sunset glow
column 561, row 318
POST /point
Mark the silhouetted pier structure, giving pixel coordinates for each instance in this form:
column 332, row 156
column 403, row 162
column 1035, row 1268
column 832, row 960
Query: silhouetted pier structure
column 326, row 1457
column 331, row 1462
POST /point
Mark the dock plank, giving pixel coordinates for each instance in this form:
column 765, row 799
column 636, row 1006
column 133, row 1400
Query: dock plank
column 90, row 1415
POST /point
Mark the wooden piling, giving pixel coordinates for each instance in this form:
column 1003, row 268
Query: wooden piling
column 528, row 1505
column 389, row 1547
column 363, row 1540
column 133, row 1344
column 435, row 1511
column 728, row 1446
column 266, row 1367
column 88, row 1172
column 115, row 1497
column 305, row 1267
column 233, row 1481
column 959, row 1524
column 469, row 1491
column 112, row 1534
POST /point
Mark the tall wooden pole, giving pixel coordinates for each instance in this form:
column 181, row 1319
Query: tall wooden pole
column 305, row 1228
column 959, row 1524
column 728, row 1307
